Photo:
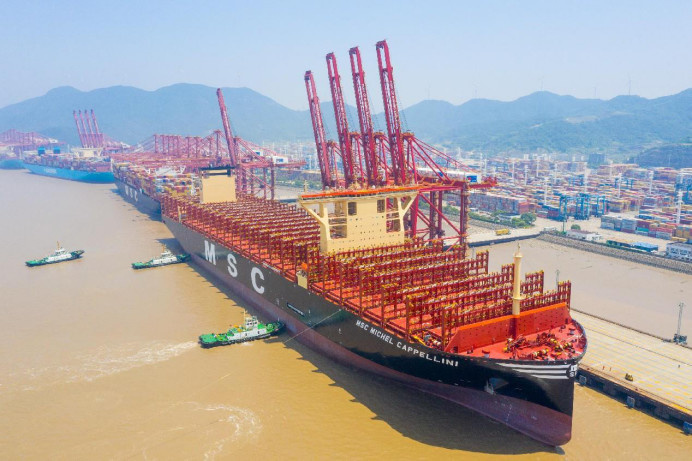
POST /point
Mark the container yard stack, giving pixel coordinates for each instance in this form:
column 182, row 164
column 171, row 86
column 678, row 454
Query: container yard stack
column 503, row 203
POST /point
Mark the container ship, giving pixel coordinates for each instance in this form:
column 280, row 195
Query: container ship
column 14, row 143
column 84, row 164
column 345, row 278
column 141, row 181
column 10, row 161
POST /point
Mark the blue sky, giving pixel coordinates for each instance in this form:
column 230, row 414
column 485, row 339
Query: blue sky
column 450, row 50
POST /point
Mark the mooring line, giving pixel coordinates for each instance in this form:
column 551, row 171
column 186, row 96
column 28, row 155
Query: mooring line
column 313, row 326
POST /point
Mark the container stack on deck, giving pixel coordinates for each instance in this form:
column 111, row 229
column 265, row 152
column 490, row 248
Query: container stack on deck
column 156, row 176
column 68, row 161
column 444, row 293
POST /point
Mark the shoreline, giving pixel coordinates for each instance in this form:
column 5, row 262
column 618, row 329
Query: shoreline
column 636, row 257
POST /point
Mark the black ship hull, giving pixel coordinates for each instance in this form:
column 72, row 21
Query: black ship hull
column 139, row 199
column 535, row 398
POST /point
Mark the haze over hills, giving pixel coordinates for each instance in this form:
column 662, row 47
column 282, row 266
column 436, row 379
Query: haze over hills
column 131, row 115
column 545, row 120
column 538, row 121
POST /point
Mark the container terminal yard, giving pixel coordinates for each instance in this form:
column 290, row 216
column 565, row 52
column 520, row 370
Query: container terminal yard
column 650, row 373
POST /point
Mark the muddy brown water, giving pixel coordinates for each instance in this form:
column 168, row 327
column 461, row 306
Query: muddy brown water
column 98, row 361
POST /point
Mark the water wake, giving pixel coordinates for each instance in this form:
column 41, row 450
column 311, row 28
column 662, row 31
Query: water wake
column 244, row 425
column 104, row 361
column 108, row 361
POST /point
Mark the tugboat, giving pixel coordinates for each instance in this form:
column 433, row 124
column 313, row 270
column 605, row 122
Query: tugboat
column 58, row 256
column 165, row 259
column 249, row 332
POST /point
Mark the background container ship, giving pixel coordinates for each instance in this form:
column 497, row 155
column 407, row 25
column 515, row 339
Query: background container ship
column 90, row 163
column 140, row 191
column 85, row 164
column 14, row 143
column 10, row 161
column 142, row 182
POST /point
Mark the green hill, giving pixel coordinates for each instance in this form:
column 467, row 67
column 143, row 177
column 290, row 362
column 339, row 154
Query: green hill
column 670, row 155
column 547, row 121
column 131, row 115
column 538, row 121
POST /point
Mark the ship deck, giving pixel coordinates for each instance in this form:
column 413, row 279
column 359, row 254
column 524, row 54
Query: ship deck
column 422, row 293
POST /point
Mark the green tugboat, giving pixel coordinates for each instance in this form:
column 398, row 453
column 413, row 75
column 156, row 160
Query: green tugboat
column 58, row 256
column 249, row 332
column 165, row 259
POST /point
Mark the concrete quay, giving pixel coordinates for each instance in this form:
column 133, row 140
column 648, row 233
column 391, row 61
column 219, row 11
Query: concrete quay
column 661, row 371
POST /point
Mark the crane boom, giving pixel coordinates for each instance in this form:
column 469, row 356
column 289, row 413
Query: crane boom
column 391, row 112
column 97, row 133
column 84, row 130
column 90, row 132
column 318, row 129
column 372, row 171
column 230, row 140
column 341, row 120
column 80, row 131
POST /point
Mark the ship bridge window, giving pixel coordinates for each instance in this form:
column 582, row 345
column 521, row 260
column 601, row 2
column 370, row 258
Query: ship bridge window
column 352, row 209
column 393, row 225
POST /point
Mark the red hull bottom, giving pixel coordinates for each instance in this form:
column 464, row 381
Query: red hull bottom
column 540, row 423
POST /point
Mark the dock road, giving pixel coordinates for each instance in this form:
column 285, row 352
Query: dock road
column 661, row 371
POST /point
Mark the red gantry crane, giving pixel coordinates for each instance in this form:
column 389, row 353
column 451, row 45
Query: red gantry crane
column 90, row 135
column 367, row 133
column 230, row 140
column 347, row 157
column 416, row 161
column 325, row 151
column 174, row 145
column 247, row 157
column 19, row 141
column 391, row 113
column 403, row 159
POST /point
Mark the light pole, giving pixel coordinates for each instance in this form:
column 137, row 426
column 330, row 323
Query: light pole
column 678, row 338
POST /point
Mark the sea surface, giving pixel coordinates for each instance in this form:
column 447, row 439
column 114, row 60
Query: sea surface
column 98, row 361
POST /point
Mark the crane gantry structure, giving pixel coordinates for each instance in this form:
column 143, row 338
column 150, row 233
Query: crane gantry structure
column 90, row 136
column 20, row 141
column 372, row 159
column 255, row 165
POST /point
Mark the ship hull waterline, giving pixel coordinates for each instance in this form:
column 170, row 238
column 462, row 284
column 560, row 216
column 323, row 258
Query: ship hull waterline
column 11, row 164
column 99, row 177
column 139, row 199
column 538, row 407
